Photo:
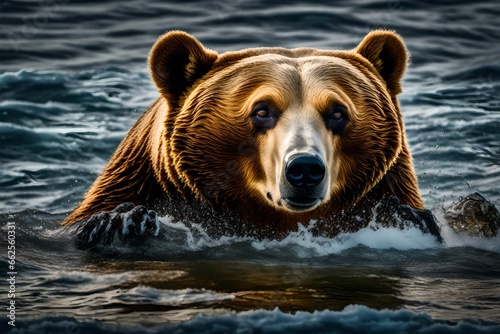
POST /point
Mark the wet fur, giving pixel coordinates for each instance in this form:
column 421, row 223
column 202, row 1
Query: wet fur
column 169, row 162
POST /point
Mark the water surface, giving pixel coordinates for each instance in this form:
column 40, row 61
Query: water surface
column 73, row 80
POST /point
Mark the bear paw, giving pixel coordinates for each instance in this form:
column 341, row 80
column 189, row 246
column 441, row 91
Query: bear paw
column 127, row 223
column 391, row 213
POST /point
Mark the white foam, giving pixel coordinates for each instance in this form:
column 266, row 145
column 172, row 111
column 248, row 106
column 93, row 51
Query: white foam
column 381, row 238
column 197, row 238
column 173, row 297
column 75, row 277
column 305, row 244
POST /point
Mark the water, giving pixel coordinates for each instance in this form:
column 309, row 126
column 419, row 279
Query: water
column 73, row 79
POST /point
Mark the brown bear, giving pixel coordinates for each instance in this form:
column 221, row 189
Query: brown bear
column 258, row 140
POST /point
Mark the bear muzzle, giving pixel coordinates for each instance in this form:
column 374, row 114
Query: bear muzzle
column 303, row 188
column 305, row 170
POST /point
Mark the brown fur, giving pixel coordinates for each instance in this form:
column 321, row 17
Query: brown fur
column 195, row 144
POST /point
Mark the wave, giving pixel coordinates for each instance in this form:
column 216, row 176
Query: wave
column 59, row 126
column 352, row 319
column 304, row 243
column 179, row 241
column 102, row 89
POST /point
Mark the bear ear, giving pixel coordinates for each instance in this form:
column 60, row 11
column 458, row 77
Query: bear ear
column 176, row 61
column 387, row 52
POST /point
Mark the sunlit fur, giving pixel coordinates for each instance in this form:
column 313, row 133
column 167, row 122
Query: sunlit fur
column 197, row 141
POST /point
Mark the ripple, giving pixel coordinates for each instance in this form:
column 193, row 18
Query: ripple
column 73, row 80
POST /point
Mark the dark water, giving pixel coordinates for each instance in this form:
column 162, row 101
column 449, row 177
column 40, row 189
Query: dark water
column 73, row 79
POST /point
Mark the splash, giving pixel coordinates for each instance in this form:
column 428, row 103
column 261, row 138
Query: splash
column 303, row 242
column 453, row 239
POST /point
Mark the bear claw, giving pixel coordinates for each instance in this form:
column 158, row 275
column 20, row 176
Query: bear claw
column 126, row 223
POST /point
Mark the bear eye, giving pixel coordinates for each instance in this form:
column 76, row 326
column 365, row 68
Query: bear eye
column 264, row 117
column 336, row 119
column 262, row 113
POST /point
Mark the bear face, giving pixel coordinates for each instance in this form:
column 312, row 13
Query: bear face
column 299, row 130
column 275, row 136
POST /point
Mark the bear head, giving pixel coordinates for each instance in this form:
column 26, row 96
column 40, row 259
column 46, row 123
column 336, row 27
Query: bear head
column 270, row 131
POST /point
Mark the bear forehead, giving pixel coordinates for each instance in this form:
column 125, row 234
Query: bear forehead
column 310, row 66
column 313, row 77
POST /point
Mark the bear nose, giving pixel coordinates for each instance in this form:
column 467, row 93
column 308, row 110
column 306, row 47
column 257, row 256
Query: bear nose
column 305, row 170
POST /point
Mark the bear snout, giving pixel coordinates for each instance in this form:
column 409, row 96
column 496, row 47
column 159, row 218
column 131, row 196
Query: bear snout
column 303, row 187
column 305, row 170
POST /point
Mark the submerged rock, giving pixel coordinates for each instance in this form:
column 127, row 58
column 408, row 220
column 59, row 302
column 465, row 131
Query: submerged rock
column 475, row 216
